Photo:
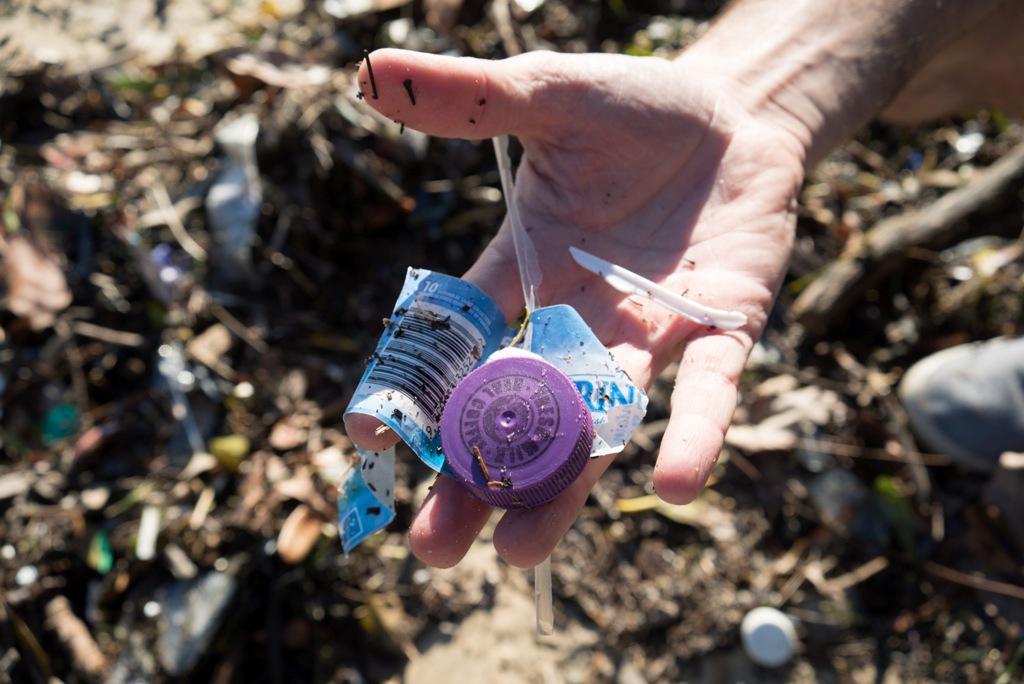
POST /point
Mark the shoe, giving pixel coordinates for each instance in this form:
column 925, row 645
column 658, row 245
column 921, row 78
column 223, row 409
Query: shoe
column 967, row 402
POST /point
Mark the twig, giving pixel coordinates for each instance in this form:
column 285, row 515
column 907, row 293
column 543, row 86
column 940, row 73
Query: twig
column 922, row 481
column 870, row 453
column 79, row 384
column 503, row 23
column 503, row 483
column 744, row 465
column 72, row 632
column 974, row 581
column 649, row 434
column 160, row 217
column 370, row 169
column 898, row 419
column 163, row 201
column 98, row 332
column 237, row 327
column 885, row 246
column 369, row 69
column 483, row 464
column 858, row 574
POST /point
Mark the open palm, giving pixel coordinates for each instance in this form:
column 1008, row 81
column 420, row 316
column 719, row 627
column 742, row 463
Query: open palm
column 642, row 163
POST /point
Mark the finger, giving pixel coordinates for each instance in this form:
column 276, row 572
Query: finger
column 367, row 432
column 446, row 524
column 526, row 537
column 460, row 97
column 702, row 405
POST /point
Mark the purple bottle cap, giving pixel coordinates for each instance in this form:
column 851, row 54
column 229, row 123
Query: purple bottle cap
column 516, row 432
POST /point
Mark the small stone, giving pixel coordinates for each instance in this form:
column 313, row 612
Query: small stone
column 230, row 450
column 151, row 609
column 95, row 498
column 26, row 575
column 299, row 535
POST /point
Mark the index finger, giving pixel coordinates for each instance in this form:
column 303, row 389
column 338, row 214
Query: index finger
column 702, row 405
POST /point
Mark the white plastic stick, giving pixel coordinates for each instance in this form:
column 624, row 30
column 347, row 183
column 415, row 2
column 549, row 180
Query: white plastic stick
column 529, row 278
column 626, row 281
column 542, row 597
column 526, row 253
column 149, row 530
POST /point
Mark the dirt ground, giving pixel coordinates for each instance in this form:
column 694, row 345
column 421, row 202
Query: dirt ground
column 171, row 410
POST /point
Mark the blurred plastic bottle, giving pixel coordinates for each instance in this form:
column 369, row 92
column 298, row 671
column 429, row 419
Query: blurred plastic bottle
column 233, row 203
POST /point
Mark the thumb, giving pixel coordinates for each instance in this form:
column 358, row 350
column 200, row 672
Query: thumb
column 461, row 97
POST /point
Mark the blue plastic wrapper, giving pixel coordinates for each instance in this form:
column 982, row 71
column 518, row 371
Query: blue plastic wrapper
column 440, row 330
column 366, row 498
column 560, row 335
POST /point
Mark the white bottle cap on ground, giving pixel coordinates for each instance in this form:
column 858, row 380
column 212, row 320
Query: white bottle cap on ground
column 768, row 636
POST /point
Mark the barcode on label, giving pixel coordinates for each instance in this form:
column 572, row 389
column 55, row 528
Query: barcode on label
column 427, row 355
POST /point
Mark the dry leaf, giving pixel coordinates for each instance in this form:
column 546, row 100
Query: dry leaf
column 302, row 488
column 279, row 72
column 299, row 535
column 36, row 288
column 764, row 437
column 332, row 465
column 209, row 347
column 442, row 15
column 287, row 434
column 14, row 483
column 73, row 633
column 788, row 412
column 348, row 9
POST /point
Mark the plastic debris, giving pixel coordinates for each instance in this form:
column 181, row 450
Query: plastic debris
column 171, row 364
column 149, row 529
column 60, row 422
column 446, row 324
column 626, row 281
column 233, row 203
column 101, row 556
column 526, row 253
column 768, row 636
column 171, row 265
column 366, row 497
column 515, row 431
column 193, row 610
column 849, row 508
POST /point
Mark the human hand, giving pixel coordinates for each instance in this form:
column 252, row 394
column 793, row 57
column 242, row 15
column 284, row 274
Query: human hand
column 644, row 162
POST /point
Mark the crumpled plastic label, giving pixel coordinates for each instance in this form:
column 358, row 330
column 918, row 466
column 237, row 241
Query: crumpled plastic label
column 441, row 329
column 561, row 337
column 366, row 499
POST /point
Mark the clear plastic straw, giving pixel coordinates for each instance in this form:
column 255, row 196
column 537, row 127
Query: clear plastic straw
column 542, row 598
column 526, row 253
column 530, row 278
